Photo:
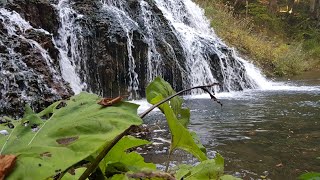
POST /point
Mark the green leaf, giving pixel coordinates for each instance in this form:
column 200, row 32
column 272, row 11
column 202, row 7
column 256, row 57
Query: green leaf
column 160, row 89
column 310, row 176
column 132, row 161
column 183, row 171
column 71, row 134
column 119, row 177
column 209, row 169
column 115, row 168
column 196, row 139
column 181, row 137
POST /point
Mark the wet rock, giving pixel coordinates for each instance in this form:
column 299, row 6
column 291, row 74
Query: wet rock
column 28, row 73
column 40, row 13
column 106, row 41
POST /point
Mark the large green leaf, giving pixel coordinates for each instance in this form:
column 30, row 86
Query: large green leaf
column 181, row 137
column 209, row 169
column 132, row 161
column 71, row 134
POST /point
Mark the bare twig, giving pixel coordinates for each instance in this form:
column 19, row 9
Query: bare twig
column 180, row 92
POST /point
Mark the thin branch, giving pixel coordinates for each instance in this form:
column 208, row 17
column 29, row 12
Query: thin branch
column 180, row 92
column 108, row 147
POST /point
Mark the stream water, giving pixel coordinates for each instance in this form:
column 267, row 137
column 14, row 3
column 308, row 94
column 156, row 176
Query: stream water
column 262, row 134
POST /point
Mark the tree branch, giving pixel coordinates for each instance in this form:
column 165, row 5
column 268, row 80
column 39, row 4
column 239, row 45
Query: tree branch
column 180, row 92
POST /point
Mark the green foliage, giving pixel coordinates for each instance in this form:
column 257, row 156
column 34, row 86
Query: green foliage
column 264, row 37
column 181, row 137
column 209, row 169
column 132, row 161
column 310, row 176
column 63, row 141
column 160, row 89
column 70, row 135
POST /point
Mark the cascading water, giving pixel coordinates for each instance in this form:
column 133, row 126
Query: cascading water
column 115, row 47
column 28, row 73
column 195, row 34
column 15, row 26
column 117, row 9
column 70, row 47
column 198, row 41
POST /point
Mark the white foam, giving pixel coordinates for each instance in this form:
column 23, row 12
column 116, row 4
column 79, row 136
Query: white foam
column 143, row 105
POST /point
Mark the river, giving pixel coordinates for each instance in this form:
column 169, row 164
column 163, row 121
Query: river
column 262, row 134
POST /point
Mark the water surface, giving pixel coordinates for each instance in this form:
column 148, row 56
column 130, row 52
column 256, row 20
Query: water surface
column 272, row 133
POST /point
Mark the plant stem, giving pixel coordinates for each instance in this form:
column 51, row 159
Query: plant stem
column 168, row 161
column 108, row 147
column 103, row 153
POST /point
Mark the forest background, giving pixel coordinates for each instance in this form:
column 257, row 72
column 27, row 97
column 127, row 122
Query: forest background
column 281, row 36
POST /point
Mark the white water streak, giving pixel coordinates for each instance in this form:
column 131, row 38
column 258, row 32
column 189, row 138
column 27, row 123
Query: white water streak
column 67, row 44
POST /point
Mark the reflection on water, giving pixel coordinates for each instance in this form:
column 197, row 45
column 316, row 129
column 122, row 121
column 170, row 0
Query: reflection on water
column 273, row 134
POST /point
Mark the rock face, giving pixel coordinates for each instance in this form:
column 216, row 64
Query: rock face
column 108, row 34
column 109, row 47
column 125, row 44
column 29, row 67
column 39, row 13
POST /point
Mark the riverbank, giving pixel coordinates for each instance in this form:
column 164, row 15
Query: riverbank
column 273, row 52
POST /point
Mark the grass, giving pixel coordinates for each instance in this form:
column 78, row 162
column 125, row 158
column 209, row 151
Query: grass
column 276, row 55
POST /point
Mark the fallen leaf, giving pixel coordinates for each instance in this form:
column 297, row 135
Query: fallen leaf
column 279, row 165
column 110, row 101
column 7, row 163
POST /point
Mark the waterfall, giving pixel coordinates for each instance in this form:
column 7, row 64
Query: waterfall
column 116, row 8
column 69, row 44
column 197, row 37
column 16, row 27
column 198, row 41
column 28, row 70
column 113, row 47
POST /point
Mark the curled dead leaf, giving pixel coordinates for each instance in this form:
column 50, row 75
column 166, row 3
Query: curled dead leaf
column 7, row 163
column 279, row 165
column 110, row 101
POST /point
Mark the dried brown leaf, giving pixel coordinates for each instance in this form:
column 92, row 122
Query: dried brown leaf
column 110, row 101
column 7, row 163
